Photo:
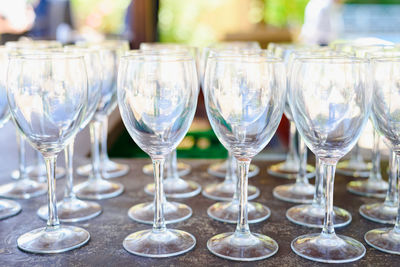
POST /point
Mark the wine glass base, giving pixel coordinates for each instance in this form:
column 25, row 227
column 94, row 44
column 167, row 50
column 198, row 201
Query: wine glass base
column 224, row 191
column 328, row 249
column 23, row 189
column 173, row 212
column 8, row 208
column 159, row 244
column 368, row 188
column 46, row 241
column 110, row 169
column 242, row 247
column 183, row 169
column 295, row 193
column 73, row 210
column 379, row 212
column 384, row 239
column 38, row 173
column 354, row 169
column 228, row 212
column 98, row 189
column 281, row 171
column 313, row 216
column 219, row 170
column 176, row 188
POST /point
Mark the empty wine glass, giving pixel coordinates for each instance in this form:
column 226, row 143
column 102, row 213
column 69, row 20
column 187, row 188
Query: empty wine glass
column 330, row 99
column 8, row 208
column 47, row 95
column 244, row 97
column 157, row 96
column 72, row 209
column 109, row 169
column 96, row 187
column 385, row 114
column 384, row 212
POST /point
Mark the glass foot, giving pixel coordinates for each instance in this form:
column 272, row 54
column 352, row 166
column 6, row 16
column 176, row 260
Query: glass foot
column 159, row 244
column 38, row 173
column 110, row 169
column 384, row 239
column 282, row 170
column 98, row 189
column 8, row 208
column 313, row 216
column 219, row 170
column 228, row 212
column 368, row 188
column 328, row 249
column 354, row 168
column 23, row 189
column 183, row 169
column 242, row 247
column 224, row 191
column 173, row 212
column 72, row 210
column 379, row 212
column 295, row 193
column 176, row 188
column 60, row 239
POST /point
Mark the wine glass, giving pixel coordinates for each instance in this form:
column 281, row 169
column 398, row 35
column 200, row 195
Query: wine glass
column 374, row 186
column 8, row 208
column 109, row 169
column 96, row 187
column 157, row 96
column 244, row 97
column 47, row 95
column 220, row 169
column 72, row 209
column 173, row 211
column 37, row 171
column 330, row 99
column 385, row 115
column 174, row 186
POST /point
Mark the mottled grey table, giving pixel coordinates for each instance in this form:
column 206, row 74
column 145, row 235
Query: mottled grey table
column 113, row 225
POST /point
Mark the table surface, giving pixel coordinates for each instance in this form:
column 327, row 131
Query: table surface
column 110, row 228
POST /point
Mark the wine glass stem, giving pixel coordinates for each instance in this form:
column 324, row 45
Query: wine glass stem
column 69, row 155
column 319, row 184
column 103, row 138
column 302, row 174
column 52, row 221
column 21, row 157
column 242, row 225
column 171, row 166
column 232, row 177
column 356, row 154
column 95, row 132
column 159, row 199
column 391, row 195
column 328, row 166
column 396, row 228
column 375, row 173
column 292, row 154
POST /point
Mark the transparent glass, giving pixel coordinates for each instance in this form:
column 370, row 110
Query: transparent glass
column 244, row 97
column 110, row 52
column 330, row 99
column 72, row 209
column 384, row 212
column 312, row 215
column 96, row 187
column 48, row 95
column 157, row 97
column 385, row 115
column 181, row 167
column 220, row 169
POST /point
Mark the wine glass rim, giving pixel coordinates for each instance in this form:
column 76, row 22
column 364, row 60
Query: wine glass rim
column 386, row 58
column 162, row 46
column 166, row 52
column 145, row 57
column 250, row 58
column 332, row 59
column 48, row 55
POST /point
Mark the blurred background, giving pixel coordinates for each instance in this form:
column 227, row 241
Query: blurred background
column 199, row 23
